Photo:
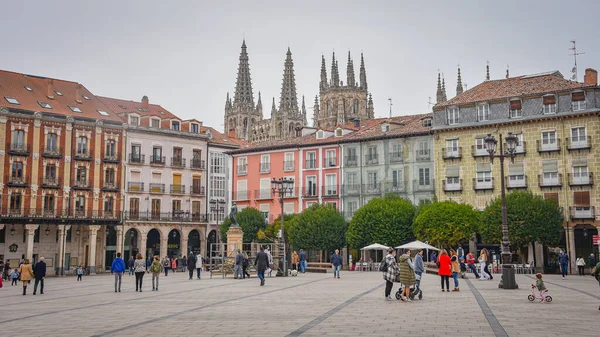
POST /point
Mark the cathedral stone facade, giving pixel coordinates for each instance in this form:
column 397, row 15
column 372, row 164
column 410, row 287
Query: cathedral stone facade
column 341, row 103
column 245, row 119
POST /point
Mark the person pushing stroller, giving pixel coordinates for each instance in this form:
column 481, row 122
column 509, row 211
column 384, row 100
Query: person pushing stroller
column 407, row 275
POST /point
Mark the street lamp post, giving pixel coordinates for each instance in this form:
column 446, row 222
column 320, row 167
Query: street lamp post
column 508, row 272
column 216, row 206
column 180, row 214
column 282, row 187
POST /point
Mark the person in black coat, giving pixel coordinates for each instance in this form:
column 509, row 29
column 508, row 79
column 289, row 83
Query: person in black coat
column 261, row 263
column 40, row 272
column 191, row 265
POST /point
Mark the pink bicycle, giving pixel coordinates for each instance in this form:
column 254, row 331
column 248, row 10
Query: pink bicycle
column 532, row 297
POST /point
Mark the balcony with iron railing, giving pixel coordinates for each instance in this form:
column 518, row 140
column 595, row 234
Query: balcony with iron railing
column 582, row 212
column 548, row 147
column 516, row 181
column 177, row 162
column 288, row 166
column 139, row 159
column 19, row 149
column 177, row 189
column 310, row 164
column 198, row 164
column 423, row 155
column 351, row 161
column 173, row 216
column 241, row 195
column 84, row 154
column 350, row 189
column 549, row 181
column 52, row 152
column 581, row 179
column 135, row 187
column 81, row 184
column 395, row 187
column 396, row 157
column 265, row 167
column 578, row 143
column 329, row 162
column 483, row 184
column 371, row 159
column 157, row 188
column 451, row 153
column 423, row 185
column 157, row 160
column 51, row 182
column 371, row 189
column 112, row 158
column 453, row 186
column 330, row 191
column 16, row 181
column 198, row 191
column 263, row 194
column 479, row 151
column 49, row 214
column 111, row 186
column 520, row 149
column 309, row 192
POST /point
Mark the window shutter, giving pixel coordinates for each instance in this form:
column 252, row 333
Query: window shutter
column 452, row 171
column 550, row 99
column 577, row 162
column 516, row 169
column 515, row 105
column 484, row 167
column 581, row 198
column 578, row 96
column 550, row 166
column 551, row 196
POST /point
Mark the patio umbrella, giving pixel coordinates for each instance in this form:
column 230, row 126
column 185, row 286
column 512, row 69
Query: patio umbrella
column 375, row 246
column 417, row 245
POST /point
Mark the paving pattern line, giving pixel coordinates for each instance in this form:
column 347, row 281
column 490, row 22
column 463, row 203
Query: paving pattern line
column 563, row 286
column 497, row 328
column 154, row 320
column 329, row 313
column 113, row 302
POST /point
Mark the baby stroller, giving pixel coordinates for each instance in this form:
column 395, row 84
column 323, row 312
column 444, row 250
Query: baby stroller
column 414, row 291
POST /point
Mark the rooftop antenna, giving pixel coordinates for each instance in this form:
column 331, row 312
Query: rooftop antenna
column 389, row 99
column 466, row 86
column 575, row 53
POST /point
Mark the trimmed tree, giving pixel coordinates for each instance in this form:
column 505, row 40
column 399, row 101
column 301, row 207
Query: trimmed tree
column 250, row 220
column 446, row 224
column 386, row 220
column 530, row 218
column 319, row 227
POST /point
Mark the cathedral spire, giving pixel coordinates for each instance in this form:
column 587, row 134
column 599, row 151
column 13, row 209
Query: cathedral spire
column 316, row 113
column 243, row 96
column 259, row 106
column 288, row 101
column 304, row 112
column 370, row 109
column 335, row 76
column 439, row 95
column 507, row 75
column 323, row 84
column 273, row 131
column 351, row 82
column 444, row 97
column 363, row 73
column 487, row 71
column 459, row 86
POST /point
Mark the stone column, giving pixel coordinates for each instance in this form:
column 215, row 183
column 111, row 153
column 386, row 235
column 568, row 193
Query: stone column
column 92, row 250
column 143, row 240
column 184, row 247
column 120, row 237
column 539, row 257
column 203, row 243
column 571, row 249
column 30, row 232
column 164, row 240
column 61, row 250
column 235, row 237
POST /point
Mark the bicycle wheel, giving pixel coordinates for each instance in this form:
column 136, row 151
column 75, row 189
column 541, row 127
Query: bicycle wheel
column 531, row 298
column 548, row 298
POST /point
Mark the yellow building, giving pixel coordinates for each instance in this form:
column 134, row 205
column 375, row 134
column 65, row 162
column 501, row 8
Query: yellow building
column 558, row 127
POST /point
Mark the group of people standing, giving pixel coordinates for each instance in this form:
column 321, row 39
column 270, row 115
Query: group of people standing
column 405, row 271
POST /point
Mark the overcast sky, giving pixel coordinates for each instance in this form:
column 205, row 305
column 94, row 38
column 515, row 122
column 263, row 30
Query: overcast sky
column 185, row 56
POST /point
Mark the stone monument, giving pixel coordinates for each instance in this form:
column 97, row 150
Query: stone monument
column 235, row 235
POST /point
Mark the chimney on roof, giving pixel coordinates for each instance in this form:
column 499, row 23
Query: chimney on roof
column 590, row 77
column 145, row 102
column 50, row 94
column 356, row 122
column 78, row 94
column 232, row 133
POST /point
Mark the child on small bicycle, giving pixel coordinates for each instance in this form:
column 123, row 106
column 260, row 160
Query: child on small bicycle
column 539, row 283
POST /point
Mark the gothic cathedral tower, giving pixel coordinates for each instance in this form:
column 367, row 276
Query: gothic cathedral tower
column 341, row 103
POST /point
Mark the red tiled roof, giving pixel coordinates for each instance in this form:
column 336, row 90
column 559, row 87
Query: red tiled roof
column 13, row 85
column 124, row 106
column 221, row 139
column 515, row 87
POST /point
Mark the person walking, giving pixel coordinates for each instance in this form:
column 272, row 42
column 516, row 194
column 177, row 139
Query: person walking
column 191, row 265
column 489, row 263
column 245, row 265
column 596, row 274
column 580, row 265
column 139, row 268
column 239, row 260
column 130, row 265
column 390, row 273
column 40, row 272
column 407, row 274
column 79, row 273
column 174, row 264
column 591, row 262
column 563, row 261
column 15, row 277
column 482, row 264
column 471, row 264
column 25, row 273
column 455, row 268
column 117, row 268
column 336, row 263
column 444, row 269
column 148, row 263
column 419, row 267
column 261, row 263
column 295, row 260
column 302, row 261
column 166, row 263
column 433, row 257
column 198, row 265
column 155, row 268
column 184, row 263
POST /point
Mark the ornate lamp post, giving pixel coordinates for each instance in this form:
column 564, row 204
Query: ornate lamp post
column 282, row 186
column 216, row 207
column 508, row 272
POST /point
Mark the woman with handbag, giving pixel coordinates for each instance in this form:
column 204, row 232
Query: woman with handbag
column 444, row 269
column 390, row 272
column 26, row 273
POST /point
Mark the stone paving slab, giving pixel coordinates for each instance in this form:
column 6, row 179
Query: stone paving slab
column 307, row 305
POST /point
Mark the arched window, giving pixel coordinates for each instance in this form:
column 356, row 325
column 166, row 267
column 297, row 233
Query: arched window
column 355, row 107
column 280, row 130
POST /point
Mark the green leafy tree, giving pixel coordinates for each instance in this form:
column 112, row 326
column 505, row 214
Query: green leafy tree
column 251, row 221
column 446, row 224
column 318, row 227
column 530, row 218
column 269, row 234
column 386, row 220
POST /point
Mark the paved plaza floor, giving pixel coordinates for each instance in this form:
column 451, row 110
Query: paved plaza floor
column 307, row 305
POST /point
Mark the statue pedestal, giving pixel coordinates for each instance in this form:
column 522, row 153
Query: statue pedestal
column 235, row 237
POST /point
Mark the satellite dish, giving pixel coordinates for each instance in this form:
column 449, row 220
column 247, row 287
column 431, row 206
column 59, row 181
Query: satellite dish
column 574, row 69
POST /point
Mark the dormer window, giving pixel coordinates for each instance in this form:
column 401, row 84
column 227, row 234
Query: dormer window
column 338, row 132
column 483, row 112
column 578, row 101
column 194, row 128
column 103, row 113
column 86, row 98
column 155, row 123
column 11, row 100
column 426, row 122
column 175, row 125
column 320, row 134
column 45, row 105
column 28, row 88
column 515, row 108
column 58, row 93
column 452, row 116
column 385, row 127
column 549, row 104
column 74, row 109
column 134, row 120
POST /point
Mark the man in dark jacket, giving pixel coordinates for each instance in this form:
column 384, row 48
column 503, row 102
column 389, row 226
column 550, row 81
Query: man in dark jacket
column 261, row 263
column 239, row 260
column 191, row 265
column 302, row 261
column 40, row 272
column 336, row 263
column 130, row 265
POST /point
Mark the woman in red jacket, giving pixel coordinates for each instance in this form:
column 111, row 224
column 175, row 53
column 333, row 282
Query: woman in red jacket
column 444, row 269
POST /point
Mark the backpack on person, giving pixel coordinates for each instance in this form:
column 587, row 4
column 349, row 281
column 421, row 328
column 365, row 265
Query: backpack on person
column 155, row 268
column 383, row 266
